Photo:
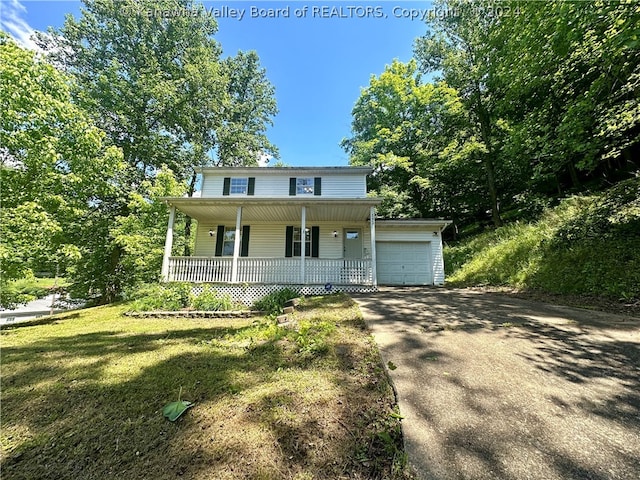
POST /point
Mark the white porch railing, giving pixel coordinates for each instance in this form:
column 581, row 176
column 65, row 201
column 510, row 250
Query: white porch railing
column 271, row 270
column 341, row 271
column 200, row 269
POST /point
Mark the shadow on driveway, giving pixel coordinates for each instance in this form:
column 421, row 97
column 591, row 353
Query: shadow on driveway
column 493, row 387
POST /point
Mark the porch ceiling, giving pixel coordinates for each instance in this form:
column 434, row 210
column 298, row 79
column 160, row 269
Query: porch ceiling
column 266, row 211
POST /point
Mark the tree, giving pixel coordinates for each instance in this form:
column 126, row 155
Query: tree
column 459, row 48
column 250, row 106
column 546, row 97
column 240, row 115
column 157, row 86
column 138, row 73
column 569, row 75
column 141, row 233
column 417, row 139
column 56, row 169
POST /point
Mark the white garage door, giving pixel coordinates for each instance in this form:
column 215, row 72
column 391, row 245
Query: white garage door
column 404, row 263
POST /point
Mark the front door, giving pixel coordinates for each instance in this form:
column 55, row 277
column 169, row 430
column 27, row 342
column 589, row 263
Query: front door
column 352, row 243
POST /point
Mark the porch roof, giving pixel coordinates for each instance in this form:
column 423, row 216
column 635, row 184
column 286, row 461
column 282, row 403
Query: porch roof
column 275, row 210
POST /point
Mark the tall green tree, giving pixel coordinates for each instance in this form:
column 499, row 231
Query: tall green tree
column 138, row 74
column 546, row 98
column 57, row 171
column 458, row 48
column 233, row 123
column 568, row 74
column 141, row 233
column 416, row 137
column 157, row 85
column 151, row 75
column 249, row 109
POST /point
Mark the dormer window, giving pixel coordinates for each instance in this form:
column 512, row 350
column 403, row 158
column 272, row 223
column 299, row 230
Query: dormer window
column 238, row 186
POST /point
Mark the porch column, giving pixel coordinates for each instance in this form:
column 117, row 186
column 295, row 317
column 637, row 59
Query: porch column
column 236, row 247
column 168, row 245
column 303, row 242
column 372, row 224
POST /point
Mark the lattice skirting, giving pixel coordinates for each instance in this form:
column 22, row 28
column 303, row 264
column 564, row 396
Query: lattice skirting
column 247, row 294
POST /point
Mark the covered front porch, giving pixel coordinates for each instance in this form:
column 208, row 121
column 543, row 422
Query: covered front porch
column 266, row 256
column 319, row 271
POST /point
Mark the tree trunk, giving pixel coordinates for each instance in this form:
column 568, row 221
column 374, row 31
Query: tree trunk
column 113, row 286
column 187, row 236
column 489, row 167
column 493, row 191
column 573, row 173
column 558, row 185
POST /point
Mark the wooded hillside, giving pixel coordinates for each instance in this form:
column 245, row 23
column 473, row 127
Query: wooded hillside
column 518, row 113
column 507, row 107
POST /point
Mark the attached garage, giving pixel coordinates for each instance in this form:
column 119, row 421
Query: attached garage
column 404, row 263
column 409, row 252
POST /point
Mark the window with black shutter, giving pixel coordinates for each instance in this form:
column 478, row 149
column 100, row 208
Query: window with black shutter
column 238, row 186
column 295, row 238
column 226, row 239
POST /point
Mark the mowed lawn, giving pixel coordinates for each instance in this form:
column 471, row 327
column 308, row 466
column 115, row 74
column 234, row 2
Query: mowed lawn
column 82, row 397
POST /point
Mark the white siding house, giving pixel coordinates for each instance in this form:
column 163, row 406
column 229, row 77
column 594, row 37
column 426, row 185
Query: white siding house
column 311, row 227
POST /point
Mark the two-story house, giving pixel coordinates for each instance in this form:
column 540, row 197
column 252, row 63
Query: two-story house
column 311, row 228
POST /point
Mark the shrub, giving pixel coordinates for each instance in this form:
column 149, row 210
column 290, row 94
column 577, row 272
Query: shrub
column 210, row 299
column 176, row 296
column 274, row 302
column 156, row 296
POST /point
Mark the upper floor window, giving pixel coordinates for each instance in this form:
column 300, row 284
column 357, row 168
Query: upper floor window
column 238, row 186
column 305, row 185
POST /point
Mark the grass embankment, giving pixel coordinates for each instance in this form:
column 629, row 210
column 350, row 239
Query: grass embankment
column 82, row 397
column 588, row 245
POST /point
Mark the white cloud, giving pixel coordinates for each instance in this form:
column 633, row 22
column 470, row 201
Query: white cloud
column 264, row 159
column 11, row 21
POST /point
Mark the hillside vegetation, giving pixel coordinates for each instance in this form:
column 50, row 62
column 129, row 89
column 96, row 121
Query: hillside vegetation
column 585, row 245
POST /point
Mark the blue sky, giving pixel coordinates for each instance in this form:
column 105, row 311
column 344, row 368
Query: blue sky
column 318, row 58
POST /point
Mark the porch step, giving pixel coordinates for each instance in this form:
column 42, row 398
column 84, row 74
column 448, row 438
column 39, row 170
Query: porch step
column 294, row 302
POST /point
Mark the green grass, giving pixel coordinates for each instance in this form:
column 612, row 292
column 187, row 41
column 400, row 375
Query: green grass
column 27, row 289
column 586, row 245
column 82, row 397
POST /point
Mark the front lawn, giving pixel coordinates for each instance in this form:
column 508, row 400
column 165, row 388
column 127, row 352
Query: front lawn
column 82, row 397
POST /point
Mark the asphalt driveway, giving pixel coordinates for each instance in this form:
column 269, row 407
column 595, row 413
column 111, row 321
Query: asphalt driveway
column 493, row 387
